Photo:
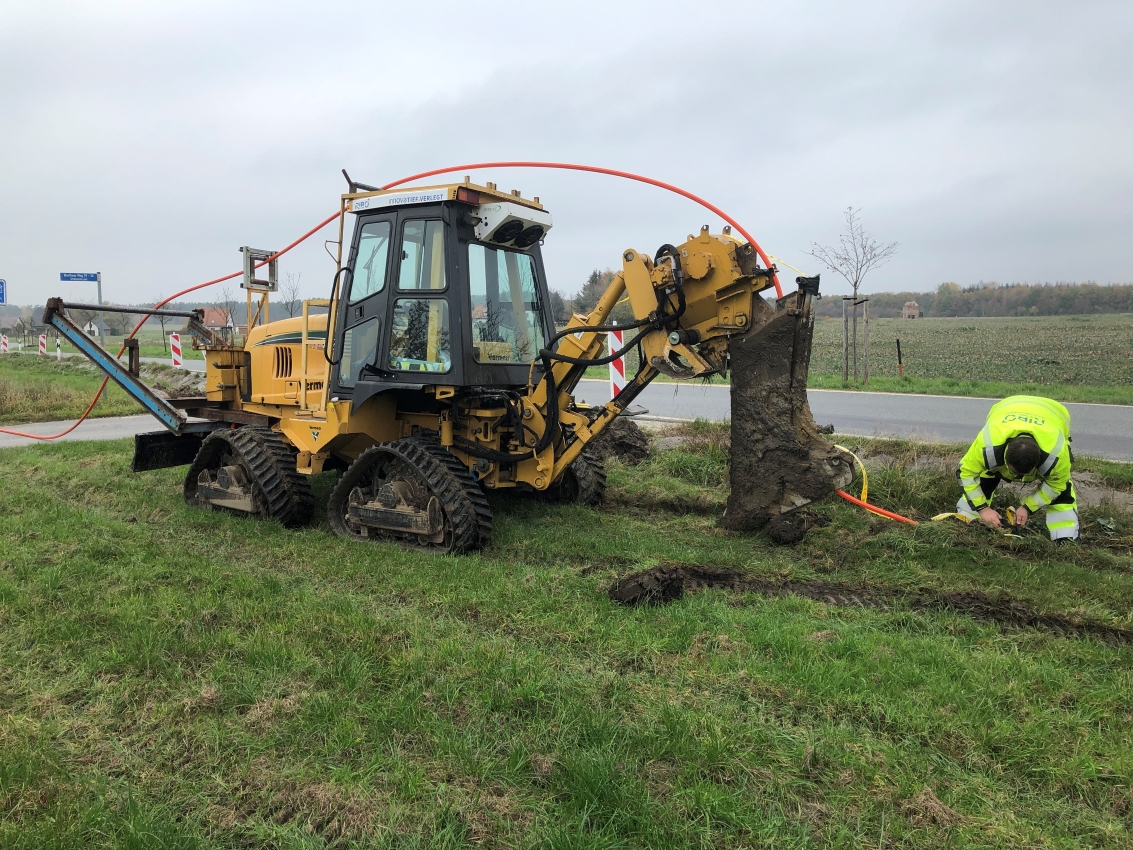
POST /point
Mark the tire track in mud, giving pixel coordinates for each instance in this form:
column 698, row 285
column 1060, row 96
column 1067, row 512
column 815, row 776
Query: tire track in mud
column 664, row 584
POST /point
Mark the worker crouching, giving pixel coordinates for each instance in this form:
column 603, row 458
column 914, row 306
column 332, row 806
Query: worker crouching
column 1027, row 439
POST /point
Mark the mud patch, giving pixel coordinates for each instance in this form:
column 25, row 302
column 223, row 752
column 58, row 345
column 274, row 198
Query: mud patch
column 668, row 583
column 789, row 529
column 659, row 585
column 779, row 461
column 623, row 439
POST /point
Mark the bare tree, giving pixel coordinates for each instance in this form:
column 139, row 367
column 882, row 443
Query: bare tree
column 227, row 307
column 856, row 255
column 162, row 320
column 289, row 290
column 21, row 329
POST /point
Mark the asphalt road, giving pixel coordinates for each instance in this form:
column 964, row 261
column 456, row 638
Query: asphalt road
column 1100, row 430
column 107, row 428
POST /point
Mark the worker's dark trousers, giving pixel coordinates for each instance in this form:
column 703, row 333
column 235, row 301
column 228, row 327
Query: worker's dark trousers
column 1061, row 513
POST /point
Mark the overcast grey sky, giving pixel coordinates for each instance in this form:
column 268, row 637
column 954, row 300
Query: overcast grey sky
column 150, row 140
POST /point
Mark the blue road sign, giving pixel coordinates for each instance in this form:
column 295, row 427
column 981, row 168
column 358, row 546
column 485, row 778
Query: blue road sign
column 91, row 276
column 3, row 292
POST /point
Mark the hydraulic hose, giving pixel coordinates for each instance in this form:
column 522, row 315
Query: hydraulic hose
column 467, row 167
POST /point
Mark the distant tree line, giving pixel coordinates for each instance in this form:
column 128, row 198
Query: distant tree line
column 995, row 299
column 562, row 307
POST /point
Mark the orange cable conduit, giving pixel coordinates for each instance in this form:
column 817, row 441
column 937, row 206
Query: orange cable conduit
column 474, row 166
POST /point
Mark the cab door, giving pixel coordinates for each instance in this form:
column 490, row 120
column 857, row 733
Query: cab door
column 420, row 329
column 363, row 305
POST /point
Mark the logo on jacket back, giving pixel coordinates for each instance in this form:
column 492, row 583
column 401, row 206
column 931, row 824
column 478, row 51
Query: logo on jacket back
column 1025, row 418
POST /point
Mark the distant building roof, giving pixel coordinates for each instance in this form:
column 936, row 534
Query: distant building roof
column 216, row 318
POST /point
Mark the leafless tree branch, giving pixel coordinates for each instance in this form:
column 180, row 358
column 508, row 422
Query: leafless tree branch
column 856, row 255
column 289, row 290
column 857, row 252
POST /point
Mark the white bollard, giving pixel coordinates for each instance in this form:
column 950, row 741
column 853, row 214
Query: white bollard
column 3, row 344
column 617, row 367
column 175, row 350
column 43, row 344
column 58, row 349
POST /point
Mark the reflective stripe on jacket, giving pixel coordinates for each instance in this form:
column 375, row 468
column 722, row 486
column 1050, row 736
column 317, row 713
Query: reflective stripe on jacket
column 1045, row 420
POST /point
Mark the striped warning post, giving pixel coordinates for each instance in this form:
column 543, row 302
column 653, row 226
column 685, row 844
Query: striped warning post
column 3, row 344
column 43, row 343
column 175, row 349
column 617, row 367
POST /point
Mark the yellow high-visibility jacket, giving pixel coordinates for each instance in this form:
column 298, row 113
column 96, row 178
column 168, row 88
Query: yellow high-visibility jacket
column 1045, row 420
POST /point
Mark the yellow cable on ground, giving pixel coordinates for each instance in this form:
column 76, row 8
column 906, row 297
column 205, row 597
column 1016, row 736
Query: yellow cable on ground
column 865, row 478
column 862, row 503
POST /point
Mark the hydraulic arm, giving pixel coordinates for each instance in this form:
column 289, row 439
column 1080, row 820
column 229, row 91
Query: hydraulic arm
column 687, row 302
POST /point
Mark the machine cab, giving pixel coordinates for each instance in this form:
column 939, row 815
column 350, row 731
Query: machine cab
column 442, row 286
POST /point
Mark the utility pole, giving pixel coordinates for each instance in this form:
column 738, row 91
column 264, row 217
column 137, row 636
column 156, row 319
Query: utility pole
column 845, row 340
column 865, row 366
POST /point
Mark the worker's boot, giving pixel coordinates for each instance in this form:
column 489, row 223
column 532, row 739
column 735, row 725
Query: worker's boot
column 779, row 461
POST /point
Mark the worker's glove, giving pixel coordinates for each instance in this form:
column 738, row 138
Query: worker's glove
column 991, row 517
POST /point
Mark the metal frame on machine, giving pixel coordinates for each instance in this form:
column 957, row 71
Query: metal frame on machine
column 127, row 377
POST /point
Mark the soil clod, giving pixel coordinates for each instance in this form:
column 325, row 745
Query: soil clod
column 789, row 529
column 623, row 439
column 669, row 582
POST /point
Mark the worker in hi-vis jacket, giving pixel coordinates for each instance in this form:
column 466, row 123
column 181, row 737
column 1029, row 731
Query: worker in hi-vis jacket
column 1025, row 438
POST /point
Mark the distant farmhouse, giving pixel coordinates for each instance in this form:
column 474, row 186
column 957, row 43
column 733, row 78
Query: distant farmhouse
column 219, row 319
column 97, row 328
column 912, row 310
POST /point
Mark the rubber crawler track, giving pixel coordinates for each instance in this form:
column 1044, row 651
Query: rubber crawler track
column 280, row 492
column 584, row 482
column 471, row 489
column 458, row 508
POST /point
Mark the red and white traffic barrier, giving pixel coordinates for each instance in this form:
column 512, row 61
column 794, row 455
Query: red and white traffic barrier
column 4, row 344
column 175, row 349
column 43, row 344
column 617, row 367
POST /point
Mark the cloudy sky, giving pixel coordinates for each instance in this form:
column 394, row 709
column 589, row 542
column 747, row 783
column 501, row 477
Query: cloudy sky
column 149, row 140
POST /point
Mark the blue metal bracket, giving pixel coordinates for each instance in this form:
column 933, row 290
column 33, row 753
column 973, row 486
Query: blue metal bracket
column 169, row 416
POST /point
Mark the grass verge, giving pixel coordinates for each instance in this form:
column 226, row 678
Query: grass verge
column 42, row 389
column 171, row 677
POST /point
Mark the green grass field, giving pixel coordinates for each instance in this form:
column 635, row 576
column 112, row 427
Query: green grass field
column 1070, row 358
column 177, row 678
column 151, row 345
column 42, row 389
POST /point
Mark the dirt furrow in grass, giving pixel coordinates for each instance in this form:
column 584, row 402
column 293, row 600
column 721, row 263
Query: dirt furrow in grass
column 667, row 583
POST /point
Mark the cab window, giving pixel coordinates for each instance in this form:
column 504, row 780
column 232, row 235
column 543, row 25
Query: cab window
column 422, row 255
column 370, row 264
column 507, row 315
column 419, row 336
column 359, row 347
